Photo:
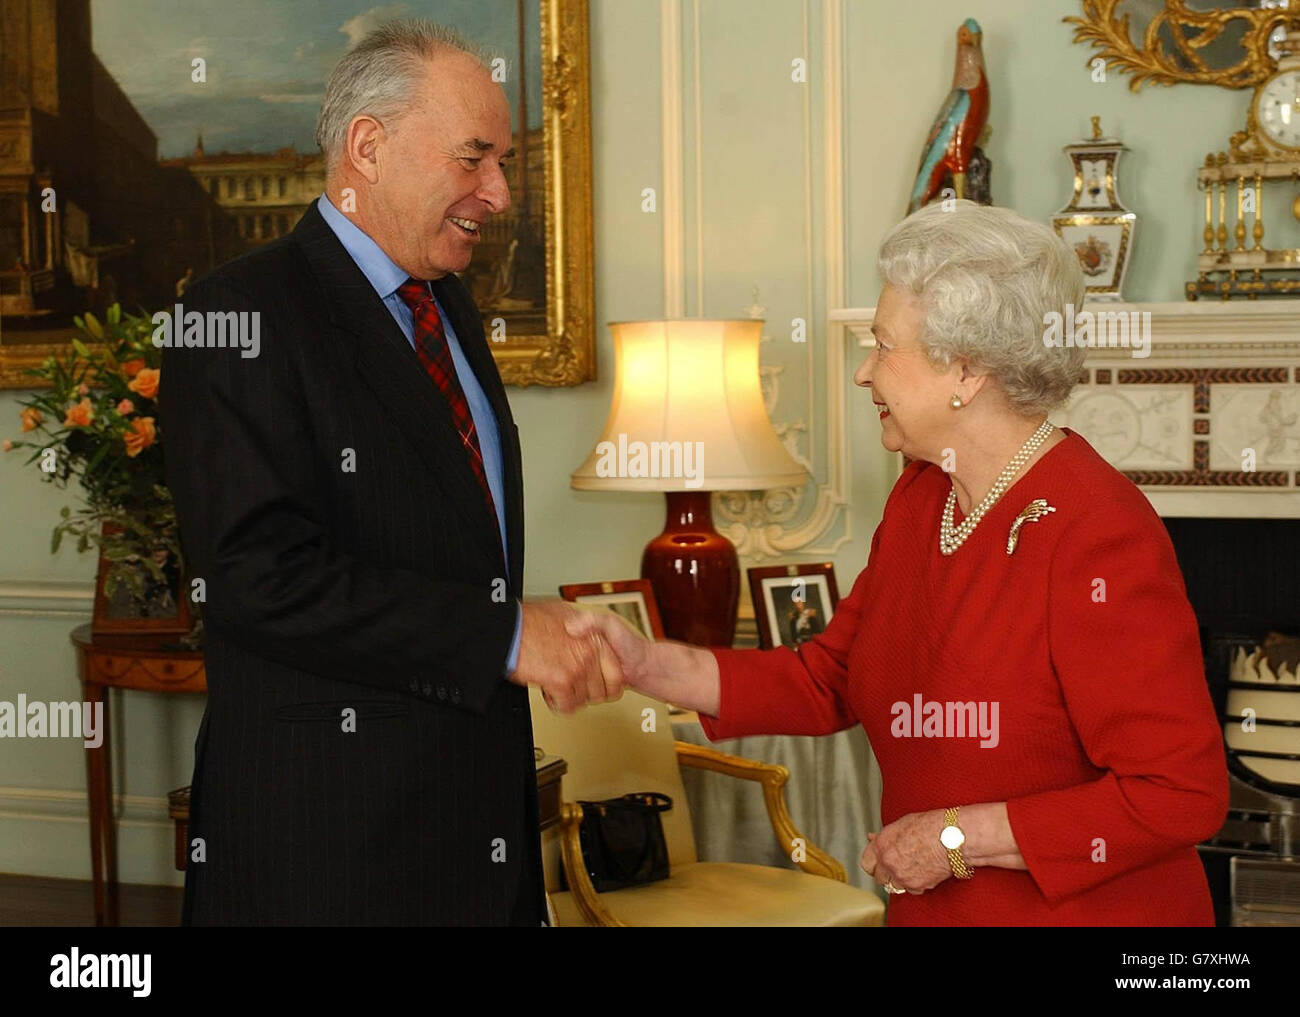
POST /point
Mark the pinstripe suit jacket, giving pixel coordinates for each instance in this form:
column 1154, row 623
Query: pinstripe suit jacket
column 352, row 570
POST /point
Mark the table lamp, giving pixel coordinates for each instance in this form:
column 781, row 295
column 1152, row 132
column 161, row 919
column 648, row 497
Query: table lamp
column 687, row 418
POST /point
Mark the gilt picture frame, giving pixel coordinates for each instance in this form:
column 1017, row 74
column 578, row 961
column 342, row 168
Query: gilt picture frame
column 75, row 249
column 563, row 353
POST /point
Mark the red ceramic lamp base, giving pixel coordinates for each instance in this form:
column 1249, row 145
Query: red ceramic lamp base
column 695, row 573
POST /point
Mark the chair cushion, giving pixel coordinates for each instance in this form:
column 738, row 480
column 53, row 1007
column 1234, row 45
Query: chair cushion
column 731, row 894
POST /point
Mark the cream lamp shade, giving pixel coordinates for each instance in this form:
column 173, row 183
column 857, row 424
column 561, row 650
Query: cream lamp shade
column 687, row 413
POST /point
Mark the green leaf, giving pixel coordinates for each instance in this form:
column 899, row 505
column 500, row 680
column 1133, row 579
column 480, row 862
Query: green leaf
column 98, row 456
column 80, row 347
column 56, row 540
column 114, row 314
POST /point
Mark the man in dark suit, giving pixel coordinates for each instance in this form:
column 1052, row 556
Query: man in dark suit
column 351, row 497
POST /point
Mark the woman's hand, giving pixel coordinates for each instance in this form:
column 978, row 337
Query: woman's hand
column 631, row 648
column 907, row 853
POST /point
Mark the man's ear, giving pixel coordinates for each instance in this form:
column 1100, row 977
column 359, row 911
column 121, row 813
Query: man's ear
column 365, row 137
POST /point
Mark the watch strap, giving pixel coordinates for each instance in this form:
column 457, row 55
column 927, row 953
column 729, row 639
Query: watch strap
column 955, row 859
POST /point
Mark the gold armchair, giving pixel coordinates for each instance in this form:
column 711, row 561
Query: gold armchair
column 628, row 746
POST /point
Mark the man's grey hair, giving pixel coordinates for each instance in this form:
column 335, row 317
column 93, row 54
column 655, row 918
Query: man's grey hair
column 380, row 75
column 987, row 277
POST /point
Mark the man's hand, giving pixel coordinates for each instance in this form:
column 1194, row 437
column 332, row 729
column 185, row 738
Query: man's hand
column 571, row 670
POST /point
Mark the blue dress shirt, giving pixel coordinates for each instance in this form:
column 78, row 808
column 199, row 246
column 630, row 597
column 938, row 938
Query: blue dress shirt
column 386, row 277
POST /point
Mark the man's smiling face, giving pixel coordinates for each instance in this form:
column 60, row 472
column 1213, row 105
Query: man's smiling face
column 441, row 168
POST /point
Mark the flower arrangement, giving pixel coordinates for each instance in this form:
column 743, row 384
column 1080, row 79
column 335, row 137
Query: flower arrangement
column 96, row 421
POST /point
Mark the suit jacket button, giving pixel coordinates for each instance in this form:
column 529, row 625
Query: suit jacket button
column 428, row 690
column 442, row 691
column 415, row 686
column 456, row 696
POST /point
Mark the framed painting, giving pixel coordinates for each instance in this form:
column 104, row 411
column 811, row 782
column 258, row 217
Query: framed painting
column 124, row 177
column 792, row 603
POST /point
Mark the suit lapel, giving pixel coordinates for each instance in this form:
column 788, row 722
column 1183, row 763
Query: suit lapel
column 389, row 366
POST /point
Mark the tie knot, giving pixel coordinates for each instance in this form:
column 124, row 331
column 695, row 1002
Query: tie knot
column 414, row 293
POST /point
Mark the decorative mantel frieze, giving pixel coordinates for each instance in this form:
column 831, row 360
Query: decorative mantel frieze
column 1205, row 418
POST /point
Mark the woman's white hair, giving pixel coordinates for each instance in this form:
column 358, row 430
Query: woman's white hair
column 988, row 277
column 380, row 76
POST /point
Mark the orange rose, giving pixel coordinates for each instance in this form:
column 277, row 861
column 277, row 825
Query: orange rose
column 140, row 437
column 30, row 418
column 80, row 415
column 146, row 382
column 6, row 445
column 132, row 367
column 125, row 407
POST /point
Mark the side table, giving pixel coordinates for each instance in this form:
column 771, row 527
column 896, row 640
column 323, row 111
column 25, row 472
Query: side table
column 149, row 663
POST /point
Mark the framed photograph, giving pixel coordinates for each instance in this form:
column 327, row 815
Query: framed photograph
column 631, row 599
column 792, row 603
column 194, row 169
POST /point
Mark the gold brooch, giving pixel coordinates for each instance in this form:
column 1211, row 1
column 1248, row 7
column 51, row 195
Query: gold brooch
column 1031, row 513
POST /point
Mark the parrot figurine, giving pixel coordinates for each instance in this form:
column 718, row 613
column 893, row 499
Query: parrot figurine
column 950, row 149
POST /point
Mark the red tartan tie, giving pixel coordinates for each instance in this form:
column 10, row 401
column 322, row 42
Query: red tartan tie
column 435, row 357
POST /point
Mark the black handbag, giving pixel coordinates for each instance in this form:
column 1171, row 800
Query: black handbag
column 623, row 840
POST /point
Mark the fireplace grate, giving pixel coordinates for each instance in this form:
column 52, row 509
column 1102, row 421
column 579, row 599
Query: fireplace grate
column 1265, row 892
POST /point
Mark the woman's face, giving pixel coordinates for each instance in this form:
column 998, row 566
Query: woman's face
column 912, row 397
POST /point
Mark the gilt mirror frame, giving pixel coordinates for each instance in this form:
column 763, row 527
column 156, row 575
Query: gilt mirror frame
column 1174, row 42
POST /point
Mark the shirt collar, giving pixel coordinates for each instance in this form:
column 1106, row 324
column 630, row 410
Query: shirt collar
column 381, row 271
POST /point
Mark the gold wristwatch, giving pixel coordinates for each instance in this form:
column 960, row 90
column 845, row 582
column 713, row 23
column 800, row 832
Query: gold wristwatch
column 952, row 838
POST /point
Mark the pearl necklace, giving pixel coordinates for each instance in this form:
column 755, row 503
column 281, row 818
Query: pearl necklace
column 950, row 537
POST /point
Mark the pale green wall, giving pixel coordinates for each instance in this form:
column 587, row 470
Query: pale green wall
column 754, row 184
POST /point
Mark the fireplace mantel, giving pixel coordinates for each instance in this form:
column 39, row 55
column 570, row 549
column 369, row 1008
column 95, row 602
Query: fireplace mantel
column 1221, row 384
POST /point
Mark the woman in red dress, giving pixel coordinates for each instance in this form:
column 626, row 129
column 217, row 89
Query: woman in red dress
column 1019, row 649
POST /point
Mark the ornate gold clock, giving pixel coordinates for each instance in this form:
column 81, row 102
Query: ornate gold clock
column 1240, row 47
column 1262, row 159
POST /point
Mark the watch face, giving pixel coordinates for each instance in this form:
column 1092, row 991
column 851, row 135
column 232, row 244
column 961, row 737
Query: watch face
column 1277, row 109
column 952, row 838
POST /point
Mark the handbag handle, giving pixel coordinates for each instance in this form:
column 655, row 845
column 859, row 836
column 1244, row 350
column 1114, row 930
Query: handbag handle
column 651, row 801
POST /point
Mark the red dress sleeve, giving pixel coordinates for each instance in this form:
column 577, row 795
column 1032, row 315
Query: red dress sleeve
column 798, row 692
column 1128, row 659
column 785, row 691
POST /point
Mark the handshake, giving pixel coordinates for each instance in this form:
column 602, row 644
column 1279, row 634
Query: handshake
column 578, row 657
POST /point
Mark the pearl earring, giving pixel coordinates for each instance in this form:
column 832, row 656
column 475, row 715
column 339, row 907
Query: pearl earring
column 956, row 401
